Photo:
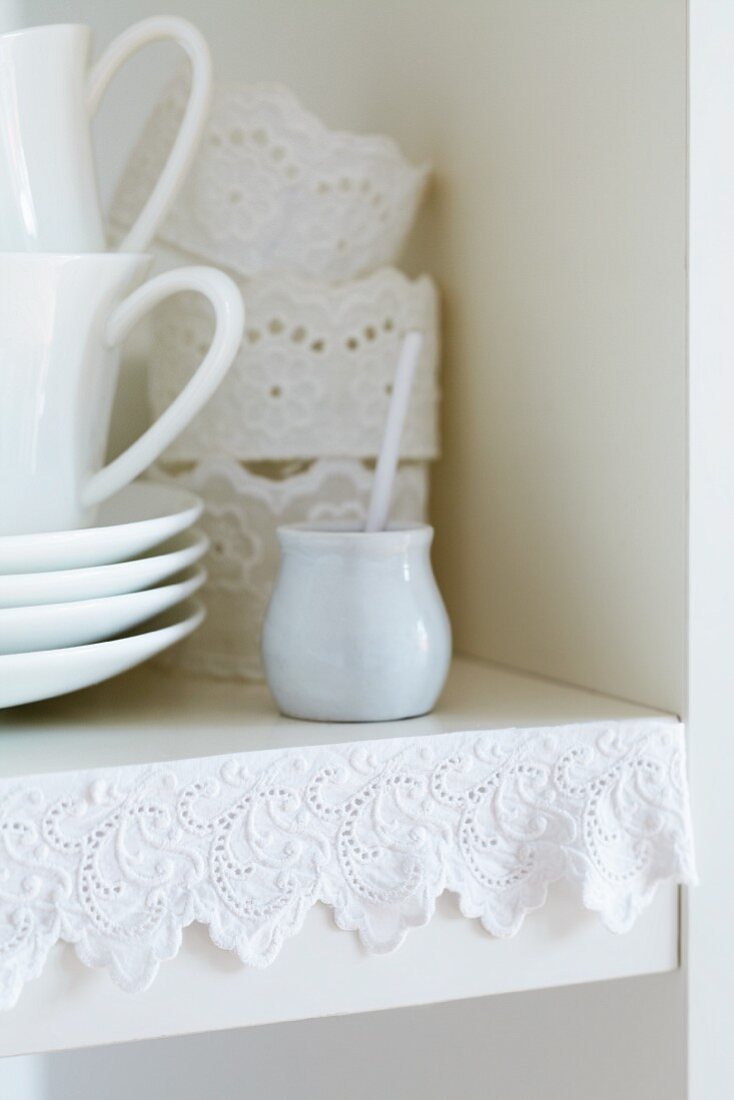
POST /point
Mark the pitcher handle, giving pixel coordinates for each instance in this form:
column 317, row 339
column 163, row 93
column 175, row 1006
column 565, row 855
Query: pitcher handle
column 229, row 312
column 184, row 148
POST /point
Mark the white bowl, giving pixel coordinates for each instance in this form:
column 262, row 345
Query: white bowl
column 272, row 189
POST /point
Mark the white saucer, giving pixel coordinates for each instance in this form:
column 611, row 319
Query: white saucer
column 57, row 625
column 28, row 677
column 67, row 585
column 140, row 516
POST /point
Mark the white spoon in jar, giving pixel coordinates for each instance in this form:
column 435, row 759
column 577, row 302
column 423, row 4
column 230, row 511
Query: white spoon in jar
column 387, row 461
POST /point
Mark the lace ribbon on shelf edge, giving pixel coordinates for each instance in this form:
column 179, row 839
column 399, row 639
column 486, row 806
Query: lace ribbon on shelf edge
column 118, row 861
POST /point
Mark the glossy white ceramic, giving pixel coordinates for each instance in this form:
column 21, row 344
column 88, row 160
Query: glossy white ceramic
column 97, row 581
column 136, row 519
column 62, row 319
column 27, row 677
column 48, row 189
column 55, row 625
column 356, row 630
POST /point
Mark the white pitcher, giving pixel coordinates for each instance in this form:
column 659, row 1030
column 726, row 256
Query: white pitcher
column 62, row 319
column 48, row 187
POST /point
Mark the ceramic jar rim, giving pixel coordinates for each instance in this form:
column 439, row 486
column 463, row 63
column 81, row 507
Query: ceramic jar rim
column 349, row 536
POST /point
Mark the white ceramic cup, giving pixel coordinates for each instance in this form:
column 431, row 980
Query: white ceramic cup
column 356, row 630
column 62, row 320
column 48, row 94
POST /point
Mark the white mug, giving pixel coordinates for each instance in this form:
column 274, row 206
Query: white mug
column 62, row 320
column 48, row 187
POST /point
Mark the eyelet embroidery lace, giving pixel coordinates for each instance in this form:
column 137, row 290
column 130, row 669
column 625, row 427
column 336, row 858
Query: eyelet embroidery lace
column 313, row 376
column 242, row 510
column 119, row 861
column 273, row 190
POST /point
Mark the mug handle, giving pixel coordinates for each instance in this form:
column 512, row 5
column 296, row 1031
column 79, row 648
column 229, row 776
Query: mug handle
column 184, row 148
column 229, row 312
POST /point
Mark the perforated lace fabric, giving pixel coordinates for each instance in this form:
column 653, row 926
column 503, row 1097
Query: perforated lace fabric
column 242, row 510
column 273, row 190
column 119, row 861
column 314, row 374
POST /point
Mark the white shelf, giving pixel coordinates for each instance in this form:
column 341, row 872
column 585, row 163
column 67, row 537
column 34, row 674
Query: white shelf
column 150, row 715
column 325, row 972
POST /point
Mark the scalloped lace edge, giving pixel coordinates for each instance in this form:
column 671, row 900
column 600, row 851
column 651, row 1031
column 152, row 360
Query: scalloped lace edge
column 118, row 862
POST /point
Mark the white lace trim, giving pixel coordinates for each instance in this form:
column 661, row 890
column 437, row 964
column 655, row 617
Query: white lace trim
column 273, row 190
column 119, row 861
column 314, row 373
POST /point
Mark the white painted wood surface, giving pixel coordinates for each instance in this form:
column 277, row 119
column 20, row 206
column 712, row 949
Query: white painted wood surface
column 151, row 715
column 325, row 972
column 710, row 953
column 473, row 1050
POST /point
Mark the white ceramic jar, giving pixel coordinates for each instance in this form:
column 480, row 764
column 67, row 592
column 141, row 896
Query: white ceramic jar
column 356, row 630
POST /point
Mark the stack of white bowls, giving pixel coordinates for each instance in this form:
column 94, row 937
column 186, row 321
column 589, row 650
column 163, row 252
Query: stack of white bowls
column 89, row 559
column 308, row 221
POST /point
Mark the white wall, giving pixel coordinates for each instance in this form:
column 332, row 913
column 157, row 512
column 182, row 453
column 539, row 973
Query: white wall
column 557, row 229
column 711, row 905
